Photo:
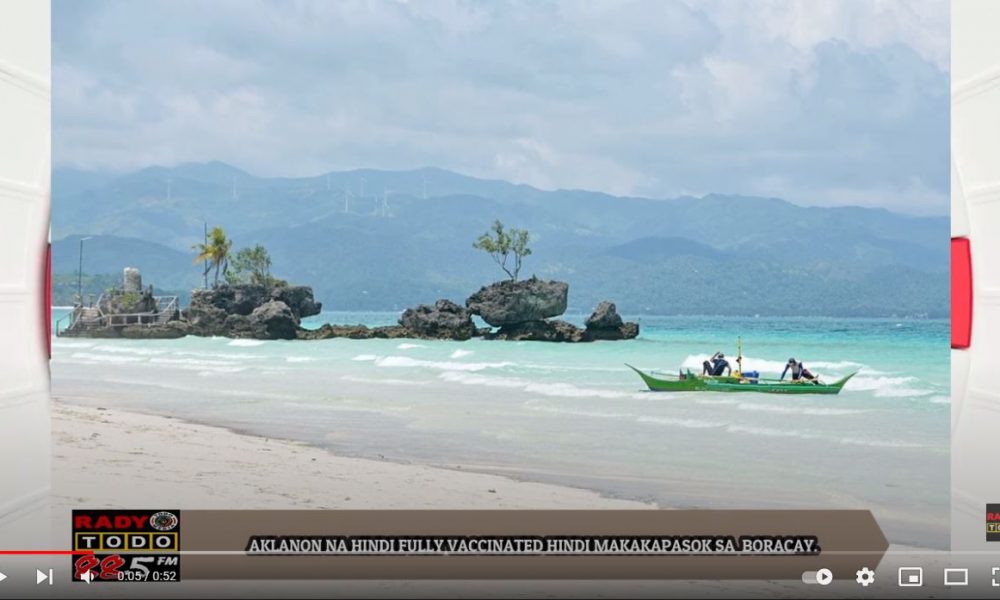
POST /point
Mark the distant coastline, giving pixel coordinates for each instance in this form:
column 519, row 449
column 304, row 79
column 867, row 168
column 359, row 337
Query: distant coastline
column 740, row 255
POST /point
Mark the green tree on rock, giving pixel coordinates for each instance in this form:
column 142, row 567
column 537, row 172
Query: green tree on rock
column 501, row 244
column 251, row 265
column 214, row 252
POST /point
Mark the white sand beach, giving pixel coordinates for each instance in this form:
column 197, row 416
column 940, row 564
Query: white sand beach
column 105, row 457
column 114, row 458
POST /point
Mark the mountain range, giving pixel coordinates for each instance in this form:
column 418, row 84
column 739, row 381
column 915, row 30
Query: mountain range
column 384, row 240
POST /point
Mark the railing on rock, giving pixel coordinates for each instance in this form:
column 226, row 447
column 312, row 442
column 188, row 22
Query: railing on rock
column 82, row 319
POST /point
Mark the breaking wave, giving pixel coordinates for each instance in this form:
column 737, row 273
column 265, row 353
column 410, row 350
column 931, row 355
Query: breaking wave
column 406, row 361
column 888, row 387
column 246, row 343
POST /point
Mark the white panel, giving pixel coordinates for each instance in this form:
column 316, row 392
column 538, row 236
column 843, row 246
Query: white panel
column 974, row 48
column 24, row 117
column 984, row 242
column 22, row 351
column 24, row 36
column 975, row 126
column 25, row 463
column 975, row 117
column 985, row 343
column 959, row 384
column 959, row 216
column 14, row 230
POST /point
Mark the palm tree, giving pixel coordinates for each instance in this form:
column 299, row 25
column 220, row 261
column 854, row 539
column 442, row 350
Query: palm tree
column 214, row 252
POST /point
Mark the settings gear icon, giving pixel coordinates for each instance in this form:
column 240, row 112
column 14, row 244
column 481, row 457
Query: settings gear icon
column 866, row 577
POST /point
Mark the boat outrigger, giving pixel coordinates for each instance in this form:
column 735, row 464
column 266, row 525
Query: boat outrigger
column 739, row 381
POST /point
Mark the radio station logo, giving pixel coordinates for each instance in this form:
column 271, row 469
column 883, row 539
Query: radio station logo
column 993, row 522
column 127, row 545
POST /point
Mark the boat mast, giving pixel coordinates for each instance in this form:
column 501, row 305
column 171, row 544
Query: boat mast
column 739, row 353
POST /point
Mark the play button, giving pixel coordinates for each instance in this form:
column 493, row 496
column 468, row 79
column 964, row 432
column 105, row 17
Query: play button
column 2, row 577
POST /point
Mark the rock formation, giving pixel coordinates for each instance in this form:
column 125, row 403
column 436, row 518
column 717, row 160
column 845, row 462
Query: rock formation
column 511, row 302
column 442, row 320
column 299, row 299
column 605, row 316
column 252, row 311
column 168, row 331
column 606, row 324
column 355, row 332
column 522, row 310
column 550, row 330
column 273, row 320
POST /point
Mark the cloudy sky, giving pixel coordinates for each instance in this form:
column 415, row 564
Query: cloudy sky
column 819, row 102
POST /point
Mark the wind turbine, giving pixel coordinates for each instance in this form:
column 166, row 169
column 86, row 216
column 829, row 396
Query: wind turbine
column 385, row 201
column 347, row 199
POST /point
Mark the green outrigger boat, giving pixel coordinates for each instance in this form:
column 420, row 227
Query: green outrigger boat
column 689, row 382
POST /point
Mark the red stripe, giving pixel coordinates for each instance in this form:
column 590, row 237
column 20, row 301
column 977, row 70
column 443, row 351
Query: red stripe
column 47, row 299
column 38, row 552
column 961, row 293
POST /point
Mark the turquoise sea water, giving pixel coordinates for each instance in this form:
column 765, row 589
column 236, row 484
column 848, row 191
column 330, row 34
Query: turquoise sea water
column 574, row 414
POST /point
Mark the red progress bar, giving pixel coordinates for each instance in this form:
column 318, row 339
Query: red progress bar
column 44, row 552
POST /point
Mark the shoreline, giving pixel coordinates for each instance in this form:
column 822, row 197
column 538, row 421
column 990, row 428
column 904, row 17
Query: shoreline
column 201, row 466
column 144, row 458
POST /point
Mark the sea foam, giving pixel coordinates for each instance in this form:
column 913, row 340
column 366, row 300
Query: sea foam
column 246, row 343
column 677, row 422
column 559, row 390
column 107, row 358
column 888, row 387
column 406, row 361
column 799, row 410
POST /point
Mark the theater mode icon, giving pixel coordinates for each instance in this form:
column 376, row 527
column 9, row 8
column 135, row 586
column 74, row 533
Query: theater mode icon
column 956, row 577
column 911, row 576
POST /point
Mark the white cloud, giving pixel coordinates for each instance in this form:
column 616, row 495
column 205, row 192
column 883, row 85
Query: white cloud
column 837, row 100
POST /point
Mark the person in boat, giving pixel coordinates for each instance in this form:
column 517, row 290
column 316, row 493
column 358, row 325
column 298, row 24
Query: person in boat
column 716, row 365
column 799, row 371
